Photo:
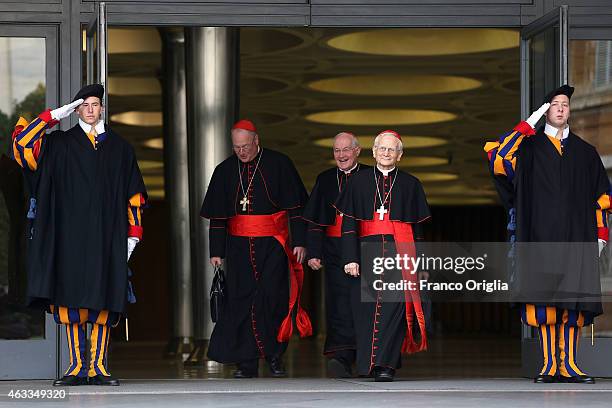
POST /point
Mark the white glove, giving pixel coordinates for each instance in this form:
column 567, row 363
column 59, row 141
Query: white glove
column 66, row 110
column 100, row 127
column 602, row 245
column 535, row 116
column 132, row 241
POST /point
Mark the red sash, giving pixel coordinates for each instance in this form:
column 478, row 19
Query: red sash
column 276, row 225
column 335, row 231
column 404, row 243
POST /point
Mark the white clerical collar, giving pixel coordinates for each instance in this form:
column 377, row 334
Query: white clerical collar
column 87, row 127
column 349, row 170
column 384, row 172
column 551, row 131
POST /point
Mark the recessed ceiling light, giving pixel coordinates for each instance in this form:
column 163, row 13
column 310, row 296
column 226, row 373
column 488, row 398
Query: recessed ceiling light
column 416, row 161
column 409, row 142
column 127, row 86
column 426, row 41
column 155, row 143
column 133, row 40
column 157, row 193
column 454, row 200
column 381, row 117
column 426, row 177
column 153, row 181
column 150, row 164
column 396, row 84
column 138, row 118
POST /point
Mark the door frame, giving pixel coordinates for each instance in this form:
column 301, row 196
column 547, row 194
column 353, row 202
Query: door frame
column 35, row 358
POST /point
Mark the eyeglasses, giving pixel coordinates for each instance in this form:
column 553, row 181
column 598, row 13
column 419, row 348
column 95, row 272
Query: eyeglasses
column 244, row 147
column 383, row 149
column 345, row 150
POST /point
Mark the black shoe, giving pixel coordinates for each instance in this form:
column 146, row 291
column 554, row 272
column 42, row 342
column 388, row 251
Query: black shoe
column 577, row 379
column 241, row 373
column 338, row 368
column 276, row 367
column 69, row 381
column 545, row 379
column 383, row 374
column 103, row 380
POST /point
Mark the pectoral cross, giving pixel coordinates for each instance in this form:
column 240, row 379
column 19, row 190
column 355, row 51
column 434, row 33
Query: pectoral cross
column 246, row 201
column 381, row 212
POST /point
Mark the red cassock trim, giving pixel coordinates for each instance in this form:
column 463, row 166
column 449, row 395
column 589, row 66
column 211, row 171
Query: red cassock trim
column 335, row 231
column 276, row 225
column 404, row 243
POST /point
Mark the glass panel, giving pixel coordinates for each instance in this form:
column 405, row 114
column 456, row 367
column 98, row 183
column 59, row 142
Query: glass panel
column 22, row 85
column 591, row 75
column 544, row 65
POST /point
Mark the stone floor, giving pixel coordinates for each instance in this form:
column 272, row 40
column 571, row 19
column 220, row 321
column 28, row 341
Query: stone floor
column 309, row 392
column 457, row 372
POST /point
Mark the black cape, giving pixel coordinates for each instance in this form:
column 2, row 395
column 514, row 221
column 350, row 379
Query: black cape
column 277, row 175
column 555, row 198
column 408, row 203
column 77, row 254
column 320, row 208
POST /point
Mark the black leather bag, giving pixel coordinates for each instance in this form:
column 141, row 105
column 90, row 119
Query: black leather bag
column 218, row 294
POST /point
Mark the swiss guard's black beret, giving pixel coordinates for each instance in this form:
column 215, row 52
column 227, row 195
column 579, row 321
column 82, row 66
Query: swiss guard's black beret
column 563, row 90
column 90, row 90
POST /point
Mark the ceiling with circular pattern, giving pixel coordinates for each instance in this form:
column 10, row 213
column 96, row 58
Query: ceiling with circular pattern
column 446, row 91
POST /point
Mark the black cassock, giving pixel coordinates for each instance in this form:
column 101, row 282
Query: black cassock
column 380, row 325
column 77, row 252
column 320, row 212
column 256, row 267
column 555, row 198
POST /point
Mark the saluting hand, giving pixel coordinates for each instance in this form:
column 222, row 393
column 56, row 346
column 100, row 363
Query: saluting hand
column 535, row 116
column 66, row 110
column 300, row 253
column 352, row 269
column 314, row 263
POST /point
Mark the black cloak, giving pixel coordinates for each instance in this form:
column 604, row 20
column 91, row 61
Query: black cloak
column 408, row 203
column 320, row 208
column 555, row 200
column 77, row 253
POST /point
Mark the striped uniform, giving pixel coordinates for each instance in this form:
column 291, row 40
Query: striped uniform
column 27, row 142
column 556, row 327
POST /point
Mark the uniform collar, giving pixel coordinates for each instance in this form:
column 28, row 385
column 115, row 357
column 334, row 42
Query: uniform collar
column 351, row 169
column 551, row 131
column 384, row 172
column 86, row 127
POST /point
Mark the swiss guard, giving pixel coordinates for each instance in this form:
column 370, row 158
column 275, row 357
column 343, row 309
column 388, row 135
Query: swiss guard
column 557, row 192
column 86, row 196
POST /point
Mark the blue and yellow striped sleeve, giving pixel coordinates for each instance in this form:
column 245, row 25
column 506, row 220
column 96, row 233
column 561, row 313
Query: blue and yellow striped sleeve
column 134, row 215
column 601, row 214
column 28, row 137
column 502, row 160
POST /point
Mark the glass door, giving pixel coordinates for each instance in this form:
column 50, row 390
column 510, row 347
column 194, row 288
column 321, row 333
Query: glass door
column 28, row 84
column 544, row 67
column 96, row 53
